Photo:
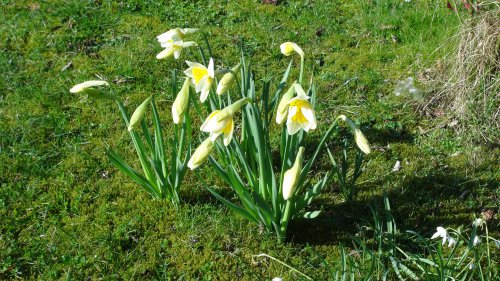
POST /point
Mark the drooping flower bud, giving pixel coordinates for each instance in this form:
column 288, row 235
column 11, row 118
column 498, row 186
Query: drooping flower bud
column 87, row 88
column 227, row 81
column 201, row 154
column 359, row 137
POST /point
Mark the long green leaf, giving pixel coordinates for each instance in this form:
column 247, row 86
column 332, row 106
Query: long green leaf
column 129, row 171
column 232, row 206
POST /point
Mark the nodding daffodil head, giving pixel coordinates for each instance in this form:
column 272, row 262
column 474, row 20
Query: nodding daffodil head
column 359, row 137
column 201, row 154
column 221, row 121
column 292, row 176
column 181, row 102
column 227, row 81
column 173, row 42
column 440, row 232
column 216, row 128
column 282, row 111
column 288, row 48
column 202, row 77
column 300, row 112
column 139, row 112
column 87, row 87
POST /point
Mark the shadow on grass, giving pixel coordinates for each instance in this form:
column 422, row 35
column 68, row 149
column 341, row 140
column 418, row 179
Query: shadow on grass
column 445, row 198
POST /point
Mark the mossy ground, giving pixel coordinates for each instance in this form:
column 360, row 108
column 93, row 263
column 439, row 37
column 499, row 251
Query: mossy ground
column 67, row 213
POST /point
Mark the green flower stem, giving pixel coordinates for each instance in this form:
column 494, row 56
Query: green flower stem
column 285, row 219
column 301, row 69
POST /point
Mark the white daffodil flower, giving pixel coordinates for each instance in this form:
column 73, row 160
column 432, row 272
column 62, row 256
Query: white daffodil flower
column 201, row 154
column 227, row 81
column 440, row 232
column 181, row 102
column 139, row 112
column 174, row 33
column 300, row 112
column 292, row 176
column 216, row 128
column 221, row 122
column 288, row 48
column 451, row 241
column 173, row 43
column 282, row 111
column 202, row 77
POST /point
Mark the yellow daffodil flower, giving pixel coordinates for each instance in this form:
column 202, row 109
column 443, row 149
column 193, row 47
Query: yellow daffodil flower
column 201, row 154
column 288, row 48
column 221, row 121
column 300, row 112
column 282, row 111
column 87, row 88
column 359, row 137
column 291, row 177
column 202, row 77
column 181, row 102
column 227, row 81
column 139, row 112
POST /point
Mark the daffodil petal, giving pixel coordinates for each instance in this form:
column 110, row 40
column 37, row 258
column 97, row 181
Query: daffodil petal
column 228, row 136
column 292, row 127
column 165, row 53
column 211, row 71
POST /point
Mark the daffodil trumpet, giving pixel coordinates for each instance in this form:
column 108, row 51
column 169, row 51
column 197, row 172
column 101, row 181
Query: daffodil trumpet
column 300, row 112
column 202, row 77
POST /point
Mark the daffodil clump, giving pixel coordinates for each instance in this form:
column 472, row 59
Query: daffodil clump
column 243, row 158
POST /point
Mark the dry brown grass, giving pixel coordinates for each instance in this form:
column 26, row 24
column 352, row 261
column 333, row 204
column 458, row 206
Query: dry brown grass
column 467, row 88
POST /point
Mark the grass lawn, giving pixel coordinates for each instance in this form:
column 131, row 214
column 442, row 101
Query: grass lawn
column 67, row 213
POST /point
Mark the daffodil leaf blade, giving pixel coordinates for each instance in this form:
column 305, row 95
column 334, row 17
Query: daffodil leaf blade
column 232, row 206
column 129, row 171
